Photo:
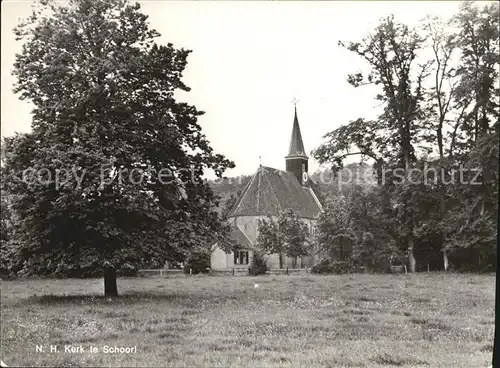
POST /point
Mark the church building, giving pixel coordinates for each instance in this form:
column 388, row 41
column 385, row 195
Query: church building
column 271, row 191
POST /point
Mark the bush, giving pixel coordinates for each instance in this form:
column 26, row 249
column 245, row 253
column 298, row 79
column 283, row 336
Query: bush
column 327, row 266
column 372, row 253
column 7, row 254
column 258, row 265
column 127, row 269
column 197, row 262
column 324, row 266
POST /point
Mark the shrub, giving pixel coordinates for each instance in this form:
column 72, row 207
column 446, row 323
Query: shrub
column 7, row 255
column 127, row 270
column 327, row 266
column 324, row 266
column 258, row 265
column 373, row 253
column 198, row 262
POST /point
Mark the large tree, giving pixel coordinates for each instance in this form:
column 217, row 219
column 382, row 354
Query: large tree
column 391, row 52
column 335, row 235
column 478, row 41
column 469, row 214
column 114, row 162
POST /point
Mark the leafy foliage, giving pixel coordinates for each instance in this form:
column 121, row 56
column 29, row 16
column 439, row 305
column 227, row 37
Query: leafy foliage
column 335, row 236
column 372, row 254
column 197, row 262
column 328, row 266
column 440, row 127
column 286, row 235
column 258, row 265
column 105, row 115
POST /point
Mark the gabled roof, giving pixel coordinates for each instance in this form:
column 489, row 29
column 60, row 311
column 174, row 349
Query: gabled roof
column 239, row 238
column 271, row 191
column 296, row 144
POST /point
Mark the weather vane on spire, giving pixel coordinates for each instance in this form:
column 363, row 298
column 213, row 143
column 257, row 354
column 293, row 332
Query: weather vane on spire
column 295, row 101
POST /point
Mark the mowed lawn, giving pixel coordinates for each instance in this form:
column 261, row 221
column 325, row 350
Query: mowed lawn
column 421, row 320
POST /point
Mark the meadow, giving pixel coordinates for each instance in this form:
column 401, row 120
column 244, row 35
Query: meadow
column 421, row 320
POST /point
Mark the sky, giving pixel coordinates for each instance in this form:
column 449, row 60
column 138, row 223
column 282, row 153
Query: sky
column 249, row 61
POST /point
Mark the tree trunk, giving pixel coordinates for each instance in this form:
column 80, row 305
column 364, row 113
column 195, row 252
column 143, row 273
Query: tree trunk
column 496, row 335
column 379, row 167
column 77, row 272
column 441, row 216
column 281, row 260
column 110, row 287
column 411, row 256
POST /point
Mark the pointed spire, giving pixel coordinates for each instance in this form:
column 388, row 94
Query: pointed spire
column 296, row 144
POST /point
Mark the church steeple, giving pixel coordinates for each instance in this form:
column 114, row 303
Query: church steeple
column 297, row 160
column 296, row 144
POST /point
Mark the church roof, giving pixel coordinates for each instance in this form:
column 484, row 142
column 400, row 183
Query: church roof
column 239, row 237
column 296, row 143
column 271, row 191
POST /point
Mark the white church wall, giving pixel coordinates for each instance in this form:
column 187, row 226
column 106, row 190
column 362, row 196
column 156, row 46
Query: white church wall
column 218, row 259
column 249, row 226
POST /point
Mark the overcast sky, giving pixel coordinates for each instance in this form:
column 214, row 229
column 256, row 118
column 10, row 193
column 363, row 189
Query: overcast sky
column 249, row 61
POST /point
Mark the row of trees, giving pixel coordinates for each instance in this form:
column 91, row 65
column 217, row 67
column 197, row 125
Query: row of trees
column 439, row 89
column 441, row 113
column 338, row 237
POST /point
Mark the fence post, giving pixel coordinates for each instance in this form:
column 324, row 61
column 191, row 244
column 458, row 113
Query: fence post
column 287, row 270
column 233, row 271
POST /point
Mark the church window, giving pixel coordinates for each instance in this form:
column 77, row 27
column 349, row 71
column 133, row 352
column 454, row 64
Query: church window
column 241, row 257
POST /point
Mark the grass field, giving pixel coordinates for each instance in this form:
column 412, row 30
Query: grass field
column 422, row 320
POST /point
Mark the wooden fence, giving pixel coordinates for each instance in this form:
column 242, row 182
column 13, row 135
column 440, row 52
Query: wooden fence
column 230, row 272
column 224, row 272
column 289, row 271
column 272, row 271
column 160, row 272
